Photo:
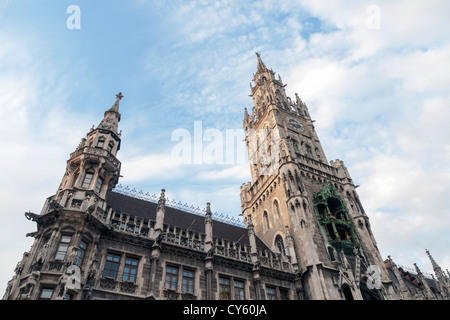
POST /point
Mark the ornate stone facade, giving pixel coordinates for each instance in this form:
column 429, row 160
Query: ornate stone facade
column 305, row 233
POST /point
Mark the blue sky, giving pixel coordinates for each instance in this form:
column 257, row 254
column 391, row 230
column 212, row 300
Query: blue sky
column 379, row 96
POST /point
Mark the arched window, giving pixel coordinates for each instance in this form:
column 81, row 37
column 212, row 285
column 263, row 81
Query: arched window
column 279, row 244
column 297, row 179
column 266, row 219
column 347, row 293
column 276, row 208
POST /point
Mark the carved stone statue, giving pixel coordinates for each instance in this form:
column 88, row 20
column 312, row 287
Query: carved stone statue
column 158, row 240
column 62, row 284
column 90, row 279
column 10, row 287
column 72, row 259
column 30, row 285
column 41, row 256
column 210, row 252
column 20, row 265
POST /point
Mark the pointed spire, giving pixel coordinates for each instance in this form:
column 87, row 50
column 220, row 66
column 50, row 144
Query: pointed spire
column 404, row 292
column 209, row 247
column 417, row 269
column 391, row 262
column 246, row 115
column 115, row 106
column 112, row 116
column 424, row 282
column 261, row 66
column 433, row 263
column 298, row 100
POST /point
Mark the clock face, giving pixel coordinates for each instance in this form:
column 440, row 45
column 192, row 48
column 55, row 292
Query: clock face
column 295, row 124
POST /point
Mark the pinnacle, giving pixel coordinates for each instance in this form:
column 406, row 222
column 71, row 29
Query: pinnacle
column 115, row 107
column 261, row 66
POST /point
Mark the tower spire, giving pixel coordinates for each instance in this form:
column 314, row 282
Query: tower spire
column 433, row 262
column 261, row 67
column 93, row 169
column 115, row 107
column 112, row 116
column 444, row 284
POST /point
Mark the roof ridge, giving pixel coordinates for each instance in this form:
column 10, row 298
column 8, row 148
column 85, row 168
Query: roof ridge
column 172, row 203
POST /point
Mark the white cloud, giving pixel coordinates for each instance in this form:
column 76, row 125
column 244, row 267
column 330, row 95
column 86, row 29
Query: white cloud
column 38, row 134
column 235, row 172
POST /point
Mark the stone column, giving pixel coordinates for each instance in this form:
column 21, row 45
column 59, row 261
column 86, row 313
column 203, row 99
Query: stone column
column 209, row 249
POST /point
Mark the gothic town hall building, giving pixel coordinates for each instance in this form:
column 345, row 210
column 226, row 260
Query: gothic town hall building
column 304, row 235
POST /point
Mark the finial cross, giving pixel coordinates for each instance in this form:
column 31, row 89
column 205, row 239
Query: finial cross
column 119, row 96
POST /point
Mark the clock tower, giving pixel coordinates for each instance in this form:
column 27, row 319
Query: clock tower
column 302, row 207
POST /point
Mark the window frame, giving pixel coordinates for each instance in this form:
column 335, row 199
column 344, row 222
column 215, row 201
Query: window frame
column 190, row 284
column 88, row 176
column 112, row 263
column 276, row 208
column 224, row 285
column 98, row 184
column 271, row 296
column 266, row 219
column 284, row 293
column 279, row 244
column 81, row 253
column 52, row 290
column 172, row 277
column 60, row 252
column 110, row 146
column 239, row 291
column 133, row 269
column 100, row 143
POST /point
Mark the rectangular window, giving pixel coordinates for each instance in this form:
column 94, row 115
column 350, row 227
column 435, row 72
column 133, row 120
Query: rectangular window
column 87, row 180
column 98, row 185
column 46, row 294
column 172, row 277
column 188, row 281
column 62, row 248
column 224, row 289
column 239, row 290
column 270, row 292
column 81, row 252
column 130, row 271
column 100, row 143
column 284, row 294
column 111, row 265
